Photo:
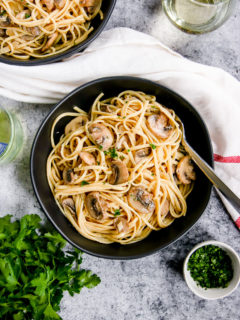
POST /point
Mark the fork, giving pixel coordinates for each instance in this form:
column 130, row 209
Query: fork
column 211, row 175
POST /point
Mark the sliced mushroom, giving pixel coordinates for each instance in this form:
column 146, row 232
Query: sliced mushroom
column 69, row 204
column 101, row 135
column 68, row 176
column 159, row 125
column 185, row 170
column 60, row 3
column 121, row 224
column 119, row 173
column 94, row 206
column 35, row 31
column 50, row 41
column 141, row 200
column 28, row 38
column 88, row 158
column 165, row 208
column 75, row 124
column 141, row 154
column 5, row 21
column 49, row 4
column 174, row 168
column 90, row 5
column 2, row 33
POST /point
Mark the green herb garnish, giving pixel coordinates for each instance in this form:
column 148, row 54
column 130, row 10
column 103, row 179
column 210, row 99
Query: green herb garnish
column 27, row 15
column 84, row 183
column 152, row 146
column 210, row 267
column 100, row 147
column 3, row 12
column 117, row 212
column 112, row 153
column 35, row 271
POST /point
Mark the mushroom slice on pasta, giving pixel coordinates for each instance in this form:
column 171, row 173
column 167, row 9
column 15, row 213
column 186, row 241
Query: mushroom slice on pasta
column 141, row 200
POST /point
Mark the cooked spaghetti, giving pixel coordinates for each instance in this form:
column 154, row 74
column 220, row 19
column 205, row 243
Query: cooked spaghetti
column 43, row 28
column 121, row 171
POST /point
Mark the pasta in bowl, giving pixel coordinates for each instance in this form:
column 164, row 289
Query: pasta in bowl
column 34, row 31
column 120, row 172
column 51, row 138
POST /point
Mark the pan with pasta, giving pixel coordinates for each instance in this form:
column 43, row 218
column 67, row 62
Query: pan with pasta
column 120, row 171
column 41, row 29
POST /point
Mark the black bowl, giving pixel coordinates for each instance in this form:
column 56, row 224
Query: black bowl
column 196, row 133
column 98, row 25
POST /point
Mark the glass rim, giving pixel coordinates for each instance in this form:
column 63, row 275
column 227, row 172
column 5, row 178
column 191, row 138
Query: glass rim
column 198, row 2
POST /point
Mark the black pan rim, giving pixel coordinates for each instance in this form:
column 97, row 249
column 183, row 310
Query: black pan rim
column 58, row 57
column 54, row 108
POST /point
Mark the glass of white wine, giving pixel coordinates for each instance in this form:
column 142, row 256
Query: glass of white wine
column 198, row 16
column 11, row 136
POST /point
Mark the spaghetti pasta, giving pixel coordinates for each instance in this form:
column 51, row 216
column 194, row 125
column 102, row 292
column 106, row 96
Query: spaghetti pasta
column 121, row 171
column 43, row 28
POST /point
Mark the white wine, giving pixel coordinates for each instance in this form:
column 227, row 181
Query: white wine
column 11, row 136
column 5, row 131
column 198, row 16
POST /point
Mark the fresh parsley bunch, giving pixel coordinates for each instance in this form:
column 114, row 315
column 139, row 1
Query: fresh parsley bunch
column 35, row 271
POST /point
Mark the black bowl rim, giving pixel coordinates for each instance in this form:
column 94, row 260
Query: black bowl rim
column 54, row 108
column 66, row 54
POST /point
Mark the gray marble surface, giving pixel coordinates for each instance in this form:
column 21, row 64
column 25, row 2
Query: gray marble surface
column 151, row 288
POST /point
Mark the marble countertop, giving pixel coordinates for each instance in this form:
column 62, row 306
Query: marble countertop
column 150, row 288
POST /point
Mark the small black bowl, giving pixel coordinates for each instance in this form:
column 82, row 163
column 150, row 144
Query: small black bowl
column 98, row 25
column 196, row 133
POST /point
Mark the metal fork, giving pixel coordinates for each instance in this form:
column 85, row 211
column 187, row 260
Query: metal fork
column 210, row 174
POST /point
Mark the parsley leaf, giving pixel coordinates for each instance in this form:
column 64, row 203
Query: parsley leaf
column 117, row 212
column 152, row 146
column 112, row 153
column 84, row 183
column 35, row 271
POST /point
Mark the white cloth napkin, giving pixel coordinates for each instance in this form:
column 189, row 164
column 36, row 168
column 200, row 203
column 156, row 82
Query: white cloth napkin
column 121, row 51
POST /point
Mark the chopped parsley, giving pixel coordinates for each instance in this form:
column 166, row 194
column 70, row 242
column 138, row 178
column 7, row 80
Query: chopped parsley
column 98, row 163
column 211, row 267
column 100, row 147
column 152, row 146
column 3, row 12
column 84, row 183
column 128, row 150
column 121, row 157
column 27, row 15
column 112, row 153
column 117, row 212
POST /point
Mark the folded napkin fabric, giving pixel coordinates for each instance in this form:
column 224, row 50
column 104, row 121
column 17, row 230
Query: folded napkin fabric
column 121, row 51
